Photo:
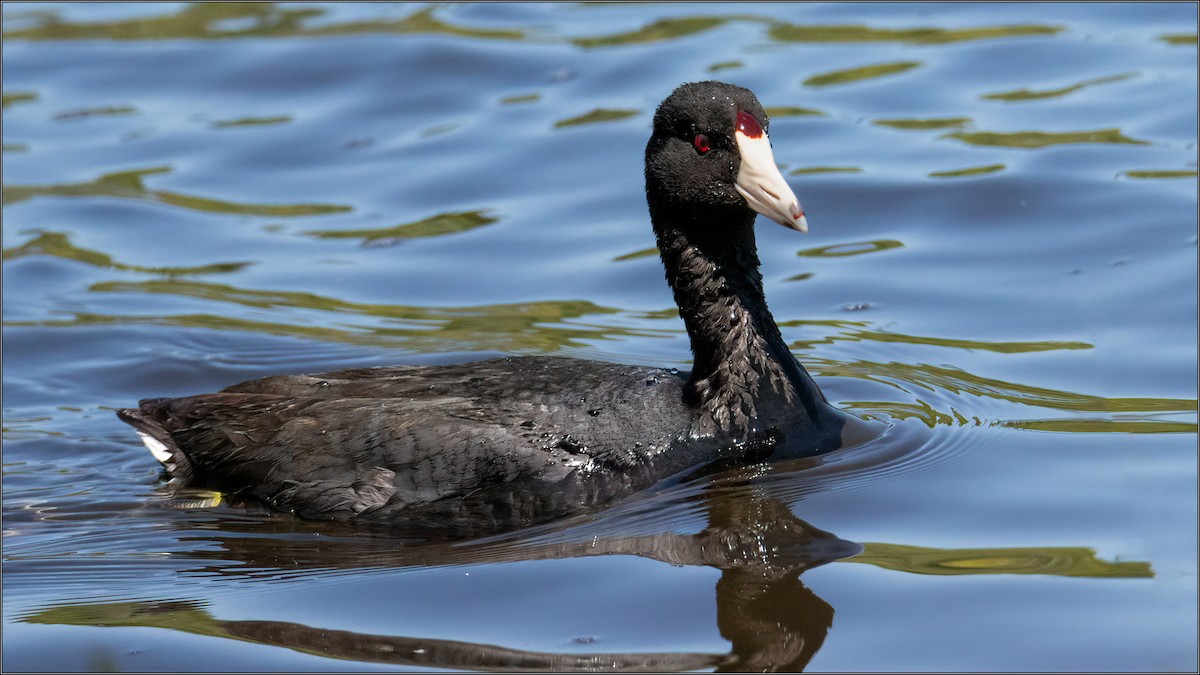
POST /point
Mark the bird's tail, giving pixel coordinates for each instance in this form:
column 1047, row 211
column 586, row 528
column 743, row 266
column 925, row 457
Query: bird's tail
column 147, row 419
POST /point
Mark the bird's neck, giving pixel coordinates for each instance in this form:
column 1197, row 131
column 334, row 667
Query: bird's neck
column 744, row 378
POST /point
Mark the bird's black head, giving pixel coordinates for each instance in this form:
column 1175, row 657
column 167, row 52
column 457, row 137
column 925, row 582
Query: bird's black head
column 709, row 160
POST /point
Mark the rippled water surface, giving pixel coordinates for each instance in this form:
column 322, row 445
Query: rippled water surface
column 1001, row 265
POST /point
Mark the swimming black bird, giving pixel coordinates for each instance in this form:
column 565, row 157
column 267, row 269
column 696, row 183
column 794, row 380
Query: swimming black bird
column 497, row 445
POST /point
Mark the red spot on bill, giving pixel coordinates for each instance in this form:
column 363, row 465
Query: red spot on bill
column 748, row 125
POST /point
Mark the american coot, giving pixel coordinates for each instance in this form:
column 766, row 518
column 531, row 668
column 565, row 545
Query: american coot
column 506, row 443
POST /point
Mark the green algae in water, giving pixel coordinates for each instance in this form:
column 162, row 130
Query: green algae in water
column 792, row 111
column 14, row 97
column 784, row 32
column 859, row 74
column 100, row 111
column 856, row 248
column 1179, row 39
column 725, row 65
column 812, row 170
column 520, row 98
column 435, row 226
column 658, row 31
column 596, row 115
column 1033, row 95
column 925, row 124
column 643, row 253
column 233, row 20
column 252, row 121
column 1042, row 139
column 1165, row 173
column 131, row 185
column 1074, row 561
column 58, row 244
column 969, row 171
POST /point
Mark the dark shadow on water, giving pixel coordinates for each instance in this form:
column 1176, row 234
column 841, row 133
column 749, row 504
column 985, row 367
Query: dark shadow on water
column 773, row 622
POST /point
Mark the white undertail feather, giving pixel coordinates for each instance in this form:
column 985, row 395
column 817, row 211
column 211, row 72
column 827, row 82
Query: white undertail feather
column 156, row 447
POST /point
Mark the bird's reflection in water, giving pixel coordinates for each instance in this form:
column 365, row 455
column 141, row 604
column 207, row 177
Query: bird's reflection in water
column 773, row 622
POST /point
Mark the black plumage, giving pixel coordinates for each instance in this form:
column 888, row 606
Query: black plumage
column 501, row 444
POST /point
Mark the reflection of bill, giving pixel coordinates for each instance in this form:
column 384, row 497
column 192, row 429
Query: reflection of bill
column 772, row 621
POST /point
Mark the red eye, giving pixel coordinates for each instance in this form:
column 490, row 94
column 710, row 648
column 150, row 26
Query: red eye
column 701, row 143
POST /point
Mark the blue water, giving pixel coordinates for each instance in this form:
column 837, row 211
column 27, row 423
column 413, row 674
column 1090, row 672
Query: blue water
column 1002, row 265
